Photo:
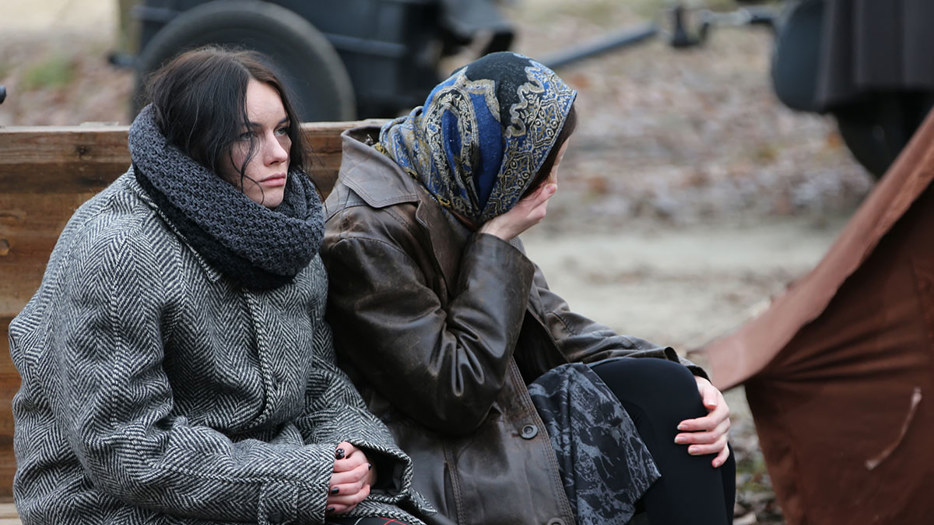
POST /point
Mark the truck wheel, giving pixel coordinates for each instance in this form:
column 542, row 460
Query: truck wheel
column 312, row 71
column 877, row 128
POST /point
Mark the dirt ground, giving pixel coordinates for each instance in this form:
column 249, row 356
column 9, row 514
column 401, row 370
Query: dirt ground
column 689, row 195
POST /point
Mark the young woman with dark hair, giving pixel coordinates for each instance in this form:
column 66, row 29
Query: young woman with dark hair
column 175, row 362
column 514, row 408
column 198, row 118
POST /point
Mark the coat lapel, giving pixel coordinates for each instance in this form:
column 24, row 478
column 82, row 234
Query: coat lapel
column 380, row 182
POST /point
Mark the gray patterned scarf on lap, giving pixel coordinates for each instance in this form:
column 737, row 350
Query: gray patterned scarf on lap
column 257, row 247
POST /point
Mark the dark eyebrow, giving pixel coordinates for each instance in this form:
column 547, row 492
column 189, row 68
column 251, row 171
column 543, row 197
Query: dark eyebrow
column 252, row 124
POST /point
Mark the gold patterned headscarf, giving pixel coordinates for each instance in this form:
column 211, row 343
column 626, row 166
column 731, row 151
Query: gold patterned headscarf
column 482, row 134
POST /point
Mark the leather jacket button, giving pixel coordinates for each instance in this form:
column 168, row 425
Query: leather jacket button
column 556, row 521
column 528, row 432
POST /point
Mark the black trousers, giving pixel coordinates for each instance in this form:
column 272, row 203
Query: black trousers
column 659, row 394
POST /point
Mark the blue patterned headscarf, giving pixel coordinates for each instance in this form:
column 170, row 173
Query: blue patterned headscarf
column 482, row 134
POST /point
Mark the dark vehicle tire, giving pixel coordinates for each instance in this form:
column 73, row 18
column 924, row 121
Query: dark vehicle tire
column 876, row 129
column 313, row 74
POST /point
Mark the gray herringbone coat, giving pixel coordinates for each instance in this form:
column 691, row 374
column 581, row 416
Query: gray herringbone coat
column 155, row 392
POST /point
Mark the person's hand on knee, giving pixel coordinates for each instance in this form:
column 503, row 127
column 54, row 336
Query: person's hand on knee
column 708, row 434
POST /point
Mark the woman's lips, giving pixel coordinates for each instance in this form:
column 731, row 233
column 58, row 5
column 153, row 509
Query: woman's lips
column 275, row 180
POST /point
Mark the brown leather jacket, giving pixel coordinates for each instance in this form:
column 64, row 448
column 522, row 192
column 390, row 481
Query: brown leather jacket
column 442, row 334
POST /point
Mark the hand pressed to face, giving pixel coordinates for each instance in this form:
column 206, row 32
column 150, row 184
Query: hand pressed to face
column 526, row 213
column 351, row 480
column 708, row 434
column 267, row 130
column 529, row 211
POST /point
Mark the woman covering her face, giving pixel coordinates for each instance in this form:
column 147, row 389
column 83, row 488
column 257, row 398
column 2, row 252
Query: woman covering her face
column 175, row 363
column 514, row 408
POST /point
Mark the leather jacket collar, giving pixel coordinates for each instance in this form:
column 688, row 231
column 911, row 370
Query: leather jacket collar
column 374, row 177
column 381, row 183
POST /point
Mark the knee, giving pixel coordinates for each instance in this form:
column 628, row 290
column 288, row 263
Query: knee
column 672, row 378
column 648, row 374
column 653, row 384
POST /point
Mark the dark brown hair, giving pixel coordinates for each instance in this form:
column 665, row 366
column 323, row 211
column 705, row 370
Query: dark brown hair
column 199, row 100
column 570, row 123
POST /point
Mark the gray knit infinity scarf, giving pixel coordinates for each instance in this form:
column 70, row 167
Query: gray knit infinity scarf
column 257, row 247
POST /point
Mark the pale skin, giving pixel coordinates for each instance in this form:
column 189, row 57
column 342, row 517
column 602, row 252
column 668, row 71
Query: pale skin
column 264, row 183
column 703, row 435
column 266, row 172
column 351, row 481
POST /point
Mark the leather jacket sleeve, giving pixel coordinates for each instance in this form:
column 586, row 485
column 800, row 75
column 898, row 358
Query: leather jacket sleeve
column 442, row 361
column 580, row 339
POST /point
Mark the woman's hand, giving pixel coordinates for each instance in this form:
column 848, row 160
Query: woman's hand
column 708, row 434
column 526, row 213
column 351, row 481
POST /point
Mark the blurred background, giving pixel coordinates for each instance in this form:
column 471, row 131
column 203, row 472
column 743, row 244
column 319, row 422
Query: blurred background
column 690, row 195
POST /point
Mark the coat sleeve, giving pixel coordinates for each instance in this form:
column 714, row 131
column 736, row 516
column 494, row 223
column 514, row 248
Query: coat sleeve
column 335, row 412
column 443, row 365
column 115, row 402
column 580, row 339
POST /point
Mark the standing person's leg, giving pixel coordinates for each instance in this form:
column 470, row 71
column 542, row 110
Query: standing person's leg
column 658, row 395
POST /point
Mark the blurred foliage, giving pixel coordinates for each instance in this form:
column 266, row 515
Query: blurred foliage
column 53, row 72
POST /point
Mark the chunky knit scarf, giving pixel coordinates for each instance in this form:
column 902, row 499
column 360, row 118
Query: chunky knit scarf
column 256, row 247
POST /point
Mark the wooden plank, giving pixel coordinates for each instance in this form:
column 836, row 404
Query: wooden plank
column 83, row 159
column 8, row 514
column 9, row 384
column 75, row 159
column 30, row 224
column 8, row 511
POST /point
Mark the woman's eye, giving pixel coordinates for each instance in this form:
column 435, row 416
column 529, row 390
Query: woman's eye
column 283, row 130
column 246, row 135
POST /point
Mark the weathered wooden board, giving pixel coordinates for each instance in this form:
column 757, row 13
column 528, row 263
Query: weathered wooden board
column 84, row 159
column 8, row 515
column 45, row 174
